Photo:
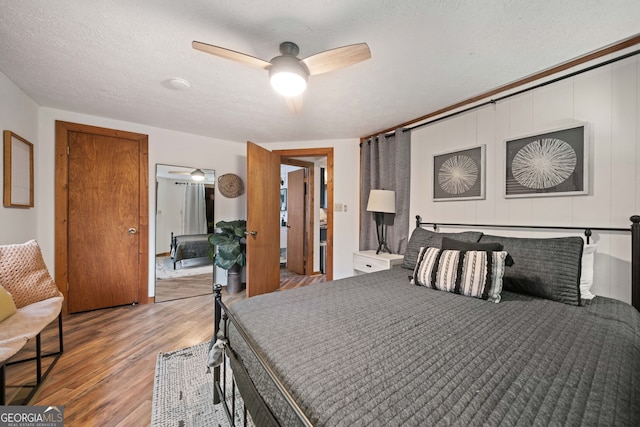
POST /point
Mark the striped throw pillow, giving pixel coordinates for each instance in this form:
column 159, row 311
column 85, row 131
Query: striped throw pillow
column 472, row 273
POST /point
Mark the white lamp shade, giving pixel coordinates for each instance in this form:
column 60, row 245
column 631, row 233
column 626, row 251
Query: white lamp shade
column 382, row 201
column 288, row 77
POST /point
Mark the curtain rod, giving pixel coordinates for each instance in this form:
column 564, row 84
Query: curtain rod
column 502, row 98
column 210, row 184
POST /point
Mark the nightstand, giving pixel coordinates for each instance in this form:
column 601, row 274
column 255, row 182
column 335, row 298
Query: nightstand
column 368, row 261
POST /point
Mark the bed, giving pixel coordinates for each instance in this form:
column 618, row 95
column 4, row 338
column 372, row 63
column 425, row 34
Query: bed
column 189, row 246
column 385, row 349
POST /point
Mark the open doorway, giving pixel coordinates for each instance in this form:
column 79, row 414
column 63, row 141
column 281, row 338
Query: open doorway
column 313, row 223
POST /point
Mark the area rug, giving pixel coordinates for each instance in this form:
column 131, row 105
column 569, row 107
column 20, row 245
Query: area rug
column 187, row 267
column 183, row 391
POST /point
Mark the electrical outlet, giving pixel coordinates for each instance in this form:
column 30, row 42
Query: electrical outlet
column 337, row 207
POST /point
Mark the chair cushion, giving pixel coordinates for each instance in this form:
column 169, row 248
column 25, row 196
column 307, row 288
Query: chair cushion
column 24, row 274
column 26, row 324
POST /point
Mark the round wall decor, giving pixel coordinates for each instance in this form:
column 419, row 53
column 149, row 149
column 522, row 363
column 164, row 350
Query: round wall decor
column 230, row 185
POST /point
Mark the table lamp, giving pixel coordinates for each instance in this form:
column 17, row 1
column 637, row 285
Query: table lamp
column 381, row 202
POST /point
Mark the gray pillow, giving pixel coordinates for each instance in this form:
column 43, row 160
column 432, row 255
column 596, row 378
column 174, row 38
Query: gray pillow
column 424, row 238
column 546, row 268
column 457, row 245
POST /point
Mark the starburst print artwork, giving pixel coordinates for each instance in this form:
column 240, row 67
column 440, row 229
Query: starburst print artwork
column 544, row 163
column 457, row 174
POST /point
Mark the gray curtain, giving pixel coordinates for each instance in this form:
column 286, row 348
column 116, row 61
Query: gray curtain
column 194, row 211
column 386, row 165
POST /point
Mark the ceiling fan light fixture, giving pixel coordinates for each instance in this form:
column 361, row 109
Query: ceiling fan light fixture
column 288, row 77
column 197, row 175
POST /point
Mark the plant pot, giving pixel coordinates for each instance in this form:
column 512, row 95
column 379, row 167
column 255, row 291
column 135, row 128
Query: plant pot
column 234, row 279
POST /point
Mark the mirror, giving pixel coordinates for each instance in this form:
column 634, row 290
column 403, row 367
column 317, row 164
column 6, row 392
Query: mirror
column 185, row 200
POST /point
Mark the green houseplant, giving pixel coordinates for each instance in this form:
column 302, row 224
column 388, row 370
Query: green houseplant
column 231, row 254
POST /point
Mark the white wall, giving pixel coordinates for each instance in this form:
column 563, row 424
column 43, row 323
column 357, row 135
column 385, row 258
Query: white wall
column 346, row 174
column 608, row 98
column 19, row 114
column 165, row 146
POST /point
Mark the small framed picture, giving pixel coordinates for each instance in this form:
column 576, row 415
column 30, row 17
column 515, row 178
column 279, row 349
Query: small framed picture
column 551, row 163
column 18, row 171
column 283, row 199
column 459, row 175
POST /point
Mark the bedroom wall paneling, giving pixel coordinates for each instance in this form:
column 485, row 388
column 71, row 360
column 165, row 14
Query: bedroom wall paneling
column 592, row 103
column 550, row 104
column 486, row 130
column 624, row 132
column 608, row 98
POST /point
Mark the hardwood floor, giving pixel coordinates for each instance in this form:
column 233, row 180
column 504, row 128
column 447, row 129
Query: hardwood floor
column 105, row 376
column 289, row 280
column 183, row 287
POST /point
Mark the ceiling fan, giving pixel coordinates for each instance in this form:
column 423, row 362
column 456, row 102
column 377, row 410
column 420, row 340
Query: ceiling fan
column 288, row 74
column 196, row 174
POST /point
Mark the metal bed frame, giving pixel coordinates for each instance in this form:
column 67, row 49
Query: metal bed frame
column 253, row 402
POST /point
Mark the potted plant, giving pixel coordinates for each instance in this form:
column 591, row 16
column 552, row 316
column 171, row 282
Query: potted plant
column 229, row 239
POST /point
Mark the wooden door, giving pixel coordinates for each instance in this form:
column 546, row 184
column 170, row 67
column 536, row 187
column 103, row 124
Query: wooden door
column 296, row 221
column 106, row 211
column 263, row 220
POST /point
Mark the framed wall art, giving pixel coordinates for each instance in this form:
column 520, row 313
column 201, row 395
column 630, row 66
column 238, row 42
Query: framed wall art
column 459, row 175
column 283, row 199
column 552, row 163
column 18, row 171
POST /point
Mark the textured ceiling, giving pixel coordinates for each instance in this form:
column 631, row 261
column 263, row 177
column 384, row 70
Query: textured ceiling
column 113, row 58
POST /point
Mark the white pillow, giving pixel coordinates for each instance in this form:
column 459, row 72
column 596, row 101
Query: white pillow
column 586, row 276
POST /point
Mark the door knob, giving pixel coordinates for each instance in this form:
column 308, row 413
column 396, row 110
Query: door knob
column 253, row 233
column 132, row 230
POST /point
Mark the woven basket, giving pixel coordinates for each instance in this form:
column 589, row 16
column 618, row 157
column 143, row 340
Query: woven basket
column 230, row 185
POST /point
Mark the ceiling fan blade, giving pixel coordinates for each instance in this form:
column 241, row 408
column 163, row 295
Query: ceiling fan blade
column 230, row 54
column 294, row 104
column 339, row 57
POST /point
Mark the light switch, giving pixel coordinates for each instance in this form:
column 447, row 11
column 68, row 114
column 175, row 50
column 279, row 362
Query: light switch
column 337, row 207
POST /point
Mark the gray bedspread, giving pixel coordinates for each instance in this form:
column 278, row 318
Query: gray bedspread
column 375, row 350
column 190, row 246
